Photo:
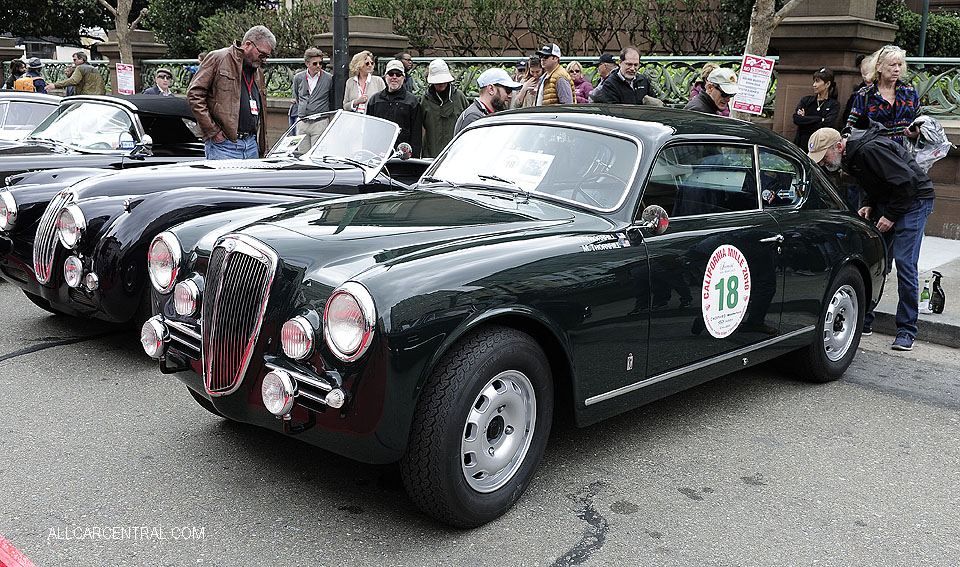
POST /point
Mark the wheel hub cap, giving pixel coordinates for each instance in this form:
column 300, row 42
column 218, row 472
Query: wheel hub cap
column 839, row 326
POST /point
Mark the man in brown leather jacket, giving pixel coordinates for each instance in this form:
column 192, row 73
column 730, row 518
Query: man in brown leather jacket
column 228, row 97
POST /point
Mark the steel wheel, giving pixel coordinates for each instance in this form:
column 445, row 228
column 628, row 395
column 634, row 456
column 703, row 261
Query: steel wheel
column 840, row 323
column 498, row 431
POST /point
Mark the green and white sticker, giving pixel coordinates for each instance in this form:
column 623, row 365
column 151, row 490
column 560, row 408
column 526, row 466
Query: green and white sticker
column 726, row 291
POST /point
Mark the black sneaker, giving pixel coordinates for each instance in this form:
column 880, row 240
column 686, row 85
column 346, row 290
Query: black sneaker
column 867, row 331
column 903, row 342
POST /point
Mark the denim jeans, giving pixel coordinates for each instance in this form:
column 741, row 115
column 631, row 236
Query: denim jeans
column 903, row 243
column 241, row 149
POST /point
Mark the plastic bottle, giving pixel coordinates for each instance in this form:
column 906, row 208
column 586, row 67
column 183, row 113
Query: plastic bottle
column 937, row 298
column 925, row 298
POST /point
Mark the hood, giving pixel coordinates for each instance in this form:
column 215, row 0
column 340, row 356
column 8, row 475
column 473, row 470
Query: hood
column 261, row 173
column 344, row 236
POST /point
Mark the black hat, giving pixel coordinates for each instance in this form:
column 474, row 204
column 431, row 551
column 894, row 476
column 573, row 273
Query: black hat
column 606, row 58
column 522, row 64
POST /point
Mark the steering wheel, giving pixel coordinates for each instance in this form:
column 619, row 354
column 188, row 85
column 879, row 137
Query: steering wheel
column 100, row 146
column 595, row 178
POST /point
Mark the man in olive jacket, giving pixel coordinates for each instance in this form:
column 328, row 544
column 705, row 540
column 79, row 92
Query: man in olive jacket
column 442, row 105
column 85, row 79
column 228, row 96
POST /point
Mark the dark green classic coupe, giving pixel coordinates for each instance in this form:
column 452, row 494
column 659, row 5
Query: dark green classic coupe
column 558, row 262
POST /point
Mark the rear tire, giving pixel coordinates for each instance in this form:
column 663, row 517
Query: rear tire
column 480, row 428
column 838, row 330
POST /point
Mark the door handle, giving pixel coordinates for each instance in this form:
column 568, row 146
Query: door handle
column 778, row 239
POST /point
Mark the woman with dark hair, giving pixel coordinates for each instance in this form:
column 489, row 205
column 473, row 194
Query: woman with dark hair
column 819, row 110
column 527, row 95
column 17, row 68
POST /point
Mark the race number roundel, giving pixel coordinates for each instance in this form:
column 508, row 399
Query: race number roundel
column 726, row 291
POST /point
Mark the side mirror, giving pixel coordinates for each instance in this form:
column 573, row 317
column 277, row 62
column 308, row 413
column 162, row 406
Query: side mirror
column 655, row 219
column 404, row 151
column 147, row 142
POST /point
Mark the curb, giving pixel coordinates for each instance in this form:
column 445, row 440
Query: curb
column 931, row 331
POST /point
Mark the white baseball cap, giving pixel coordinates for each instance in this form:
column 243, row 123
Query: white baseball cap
column 497, row 76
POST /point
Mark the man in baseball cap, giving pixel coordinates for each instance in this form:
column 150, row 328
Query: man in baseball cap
column 496, row 90
column 556, row 85
column 720, row 87
column 605, row 64
column 896, row 192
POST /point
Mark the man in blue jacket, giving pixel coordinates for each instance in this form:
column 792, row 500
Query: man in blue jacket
column 895, row 192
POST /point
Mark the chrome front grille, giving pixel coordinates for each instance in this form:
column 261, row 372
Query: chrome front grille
column 235, row 296
column 45, row 243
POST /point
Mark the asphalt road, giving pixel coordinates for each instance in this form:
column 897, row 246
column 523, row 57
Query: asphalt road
column 104, row 461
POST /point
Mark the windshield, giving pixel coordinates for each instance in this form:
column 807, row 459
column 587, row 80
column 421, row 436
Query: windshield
column 87, row 125
column 295, row 142
column 591, row 168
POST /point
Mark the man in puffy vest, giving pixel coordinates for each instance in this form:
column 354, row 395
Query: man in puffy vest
column 556, row 86
column 31, row 81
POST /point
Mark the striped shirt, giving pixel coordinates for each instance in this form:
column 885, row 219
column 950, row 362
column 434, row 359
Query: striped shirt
column 895, row 117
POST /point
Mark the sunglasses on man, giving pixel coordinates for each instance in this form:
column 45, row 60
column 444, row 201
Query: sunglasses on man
column 394, row 74
column 164, row 76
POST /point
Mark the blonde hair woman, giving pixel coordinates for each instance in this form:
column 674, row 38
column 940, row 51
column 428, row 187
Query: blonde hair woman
column 362, row 83
column 581, row 86
column 888, row 100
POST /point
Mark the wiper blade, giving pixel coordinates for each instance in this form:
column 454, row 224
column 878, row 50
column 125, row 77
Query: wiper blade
column 496, row 178
column 430, row 179
column 351, row 161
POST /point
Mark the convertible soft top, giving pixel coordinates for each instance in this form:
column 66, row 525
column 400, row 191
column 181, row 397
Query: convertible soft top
column 148, row 104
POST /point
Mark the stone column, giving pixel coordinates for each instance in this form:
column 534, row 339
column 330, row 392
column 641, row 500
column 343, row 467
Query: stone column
column 368, row 32
column 823, row 33
column 145, row 46
column 7, row 53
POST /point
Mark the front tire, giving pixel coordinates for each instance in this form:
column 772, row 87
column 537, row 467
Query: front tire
column 480, row 428
column 838, row 330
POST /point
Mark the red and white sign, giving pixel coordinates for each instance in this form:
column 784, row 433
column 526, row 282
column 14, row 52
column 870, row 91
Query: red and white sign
column 725, row 293
column 125, row 84
column 11, row 557
column 755, row 74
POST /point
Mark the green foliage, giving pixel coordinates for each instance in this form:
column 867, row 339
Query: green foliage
column 294, row 28
column 57, row 18
column 943, row 29
column 177, row 22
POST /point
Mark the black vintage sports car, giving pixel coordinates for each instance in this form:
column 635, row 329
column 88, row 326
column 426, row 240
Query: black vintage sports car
column 114, row 132
column 559, row 261
column 86, row 254
column 20, row 112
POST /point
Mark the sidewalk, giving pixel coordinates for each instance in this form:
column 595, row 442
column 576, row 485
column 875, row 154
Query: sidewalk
column 943, row 255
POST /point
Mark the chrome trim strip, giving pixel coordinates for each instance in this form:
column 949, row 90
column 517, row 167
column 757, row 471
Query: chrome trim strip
column 696, row 366
column 301, row 377
column 184, row 342
column 309, row 396
column 183, row 328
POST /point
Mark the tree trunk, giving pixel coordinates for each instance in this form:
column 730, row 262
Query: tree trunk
column 121, row 17
column 763, row 20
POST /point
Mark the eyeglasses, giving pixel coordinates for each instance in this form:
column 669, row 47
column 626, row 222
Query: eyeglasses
column 892, row 48
column 262, row 55
column 164, row 76
column 394, row 74
column 722, row 94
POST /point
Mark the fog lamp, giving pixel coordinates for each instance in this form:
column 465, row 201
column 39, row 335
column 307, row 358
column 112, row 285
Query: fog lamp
column 73, row 271
column 91, row 281
column 335, row 398
column 186, row 295
column 296, row 338
column 277, row 392
column 152, row 334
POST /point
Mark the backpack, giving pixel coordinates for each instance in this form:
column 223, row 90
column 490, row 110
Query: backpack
column 25, row 83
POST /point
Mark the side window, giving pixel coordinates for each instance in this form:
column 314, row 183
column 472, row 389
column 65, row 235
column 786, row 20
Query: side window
column 781, row 180
column 703, row 179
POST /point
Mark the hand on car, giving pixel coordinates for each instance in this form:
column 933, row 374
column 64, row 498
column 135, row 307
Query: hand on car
column 865, row 212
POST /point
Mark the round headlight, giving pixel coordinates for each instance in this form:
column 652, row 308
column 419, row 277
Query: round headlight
column 8, row 210
column 348, row 321
column 152, row 334
column 163, row 261
column 70, row 226
column 73, row 271
column 296, row 338
column 186, row 295
column 277, row 392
